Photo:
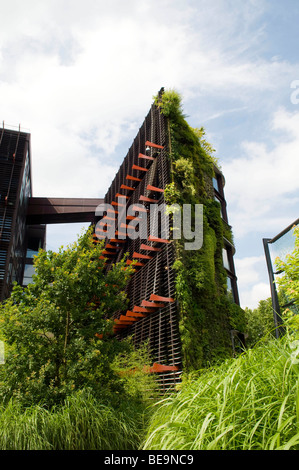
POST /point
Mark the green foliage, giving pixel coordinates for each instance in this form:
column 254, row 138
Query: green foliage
column 206, row 314
column 259, row 322
column 170, row 103
column 49, row 327
column 248, row 403
column 131, row 365
column 62, row 387
column 171, row 194
column 292, row 320
column 80, row 422
column 208, row 148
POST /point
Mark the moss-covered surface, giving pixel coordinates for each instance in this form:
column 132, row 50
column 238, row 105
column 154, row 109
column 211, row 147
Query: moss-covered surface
column 206, row 313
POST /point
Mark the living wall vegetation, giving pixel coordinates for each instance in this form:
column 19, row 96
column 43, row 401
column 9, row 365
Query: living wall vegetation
column 206, row 313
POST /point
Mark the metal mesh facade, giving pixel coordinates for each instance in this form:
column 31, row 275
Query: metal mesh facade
column 157, row 319
column 15, row 189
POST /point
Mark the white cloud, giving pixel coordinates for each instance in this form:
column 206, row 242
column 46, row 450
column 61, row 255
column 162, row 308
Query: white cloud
column 262, row 184
column 81, row 77
column 248, row 269
column 63, row 234
column 250, row 298
column 68, row 71
column 251, row 272
column 79, row 110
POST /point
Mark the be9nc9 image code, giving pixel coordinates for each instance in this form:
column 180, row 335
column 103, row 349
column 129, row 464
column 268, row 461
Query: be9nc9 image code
column 172, row 459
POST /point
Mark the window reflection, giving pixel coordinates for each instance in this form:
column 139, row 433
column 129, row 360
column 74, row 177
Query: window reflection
column 230, row 290
column 215, row 184
column 219, row 202
column 280, row 248
column 30, row 253
column 225, row 258
column 28, row 273
column 283, row 246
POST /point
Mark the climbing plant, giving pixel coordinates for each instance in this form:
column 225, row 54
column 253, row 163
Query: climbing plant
column 206, row 313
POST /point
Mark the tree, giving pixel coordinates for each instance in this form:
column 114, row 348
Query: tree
column 259, row 322
column 57, row 330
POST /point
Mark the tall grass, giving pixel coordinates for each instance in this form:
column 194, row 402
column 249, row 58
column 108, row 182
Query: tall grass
column 82, row 423
column 250, row 403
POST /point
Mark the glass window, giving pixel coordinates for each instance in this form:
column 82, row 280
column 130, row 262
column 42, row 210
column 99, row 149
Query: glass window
column 226, row 263
column 230, row 290
column 215, row 184
column 218, row 200
column 283, row 246
column 13, row 275
column 30, row 253
column 28, row 273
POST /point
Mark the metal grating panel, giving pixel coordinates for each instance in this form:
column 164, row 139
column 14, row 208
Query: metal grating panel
column 14, row 190
column 160, row 327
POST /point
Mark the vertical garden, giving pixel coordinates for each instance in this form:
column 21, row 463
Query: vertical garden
column 207, row 315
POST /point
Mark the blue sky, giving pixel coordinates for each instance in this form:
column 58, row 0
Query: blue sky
column 81, row 78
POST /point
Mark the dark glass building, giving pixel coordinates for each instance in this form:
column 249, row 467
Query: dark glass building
column 23, row 218
column 15, row 191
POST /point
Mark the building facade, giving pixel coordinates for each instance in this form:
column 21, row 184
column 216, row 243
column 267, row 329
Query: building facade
column 154, row 313
column 23, row 218
column 15, row 191
column 184, row 328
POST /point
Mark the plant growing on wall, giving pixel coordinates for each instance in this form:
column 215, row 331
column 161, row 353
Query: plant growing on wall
column 206, row 313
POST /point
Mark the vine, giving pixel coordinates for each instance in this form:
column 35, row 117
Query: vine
column 206, row 313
